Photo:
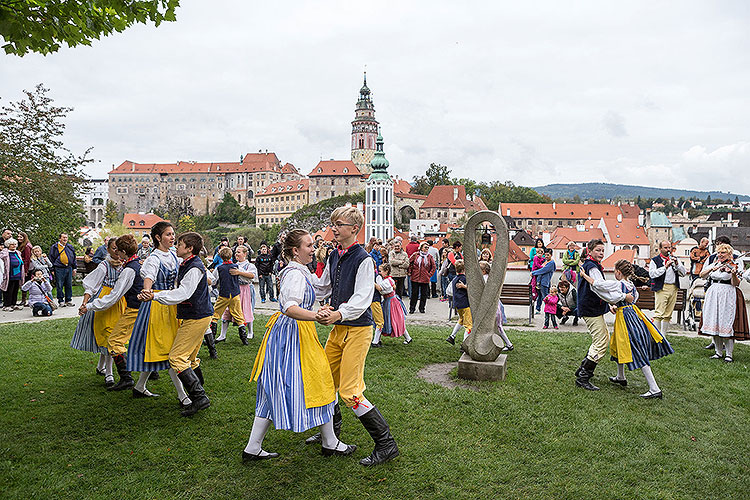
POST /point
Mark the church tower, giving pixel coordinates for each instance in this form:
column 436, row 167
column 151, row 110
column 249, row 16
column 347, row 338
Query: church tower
column 379, row 201
column 364, row 130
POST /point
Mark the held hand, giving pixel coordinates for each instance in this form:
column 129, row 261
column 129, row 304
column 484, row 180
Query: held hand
column 333, row 317
column 234, row 272
column 82, row 310
column 146, row 295
column 74, row 273
column 613, row 309
column 322, row 313
column 629, row 298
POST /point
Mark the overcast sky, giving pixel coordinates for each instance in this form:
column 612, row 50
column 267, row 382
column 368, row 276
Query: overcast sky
column 637, row 92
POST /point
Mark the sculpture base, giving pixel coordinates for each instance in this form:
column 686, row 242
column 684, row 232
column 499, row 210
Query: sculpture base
column 469, row 369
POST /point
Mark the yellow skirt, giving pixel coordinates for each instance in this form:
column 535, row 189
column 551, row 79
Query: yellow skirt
column 162, row 330
column 105, row 321
column 619, row 344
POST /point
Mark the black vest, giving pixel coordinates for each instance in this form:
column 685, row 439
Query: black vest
column 229, row 286
column 198, row 306
column 589, row 303
column 131, row 296
column 343, row 271
column 658, row 283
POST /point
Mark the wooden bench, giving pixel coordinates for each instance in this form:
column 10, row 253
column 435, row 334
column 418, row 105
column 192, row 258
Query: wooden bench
column 646, row 302
column 510, row 295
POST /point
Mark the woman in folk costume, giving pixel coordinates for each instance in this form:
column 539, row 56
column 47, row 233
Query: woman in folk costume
column 94, row 328
column 720, row 317
column 295, row 387
column 156, row 324
column 635, row 341
column 394, row 310
column 246, row 271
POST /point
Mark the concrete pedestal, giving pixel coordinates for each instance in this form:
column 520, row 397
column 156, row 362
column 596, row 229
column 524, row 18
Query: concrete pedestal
column 482, row 370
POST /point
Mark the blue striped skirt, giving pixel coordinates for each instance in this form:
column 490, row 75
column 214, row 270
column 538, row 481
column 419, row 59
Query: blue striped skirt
column 642, row 345
column 137, row 347
column 84, row 338
column 280, row 394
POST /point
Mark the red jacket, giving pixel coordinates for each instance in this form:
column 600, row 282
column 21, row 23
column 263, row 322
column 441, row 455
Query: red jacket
column 421, row 273
column 411, row 248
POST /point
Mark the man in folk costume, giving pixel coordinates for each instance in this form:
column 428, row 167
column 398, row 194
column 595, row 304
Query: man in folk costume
column 665, row 272
column 194, row 310
column 349, row 280
column 592, row 308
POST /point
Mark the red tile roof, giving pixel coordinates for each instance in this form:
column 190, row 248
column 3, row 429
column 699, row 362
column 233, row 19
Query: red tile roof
column 515, row 254
column 609, row 263
column 573, row 234
column 443, row 197
column 140, row 221
column 252, row 162
column 285, row 187
column 627, row 232
column 335, row 167
column 289, row 168
column 401, row 186
column 563, row 211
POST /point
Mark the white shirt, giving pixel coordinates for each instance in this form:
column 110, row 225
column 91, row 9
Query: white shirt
column 187, row 287
column 667, row 271
column 364, row 288
column 293, row 285
column 717, row 275
column 93, row 280
column 607, row 290
column 124, row 282
column 150, row 267
column 386, row 285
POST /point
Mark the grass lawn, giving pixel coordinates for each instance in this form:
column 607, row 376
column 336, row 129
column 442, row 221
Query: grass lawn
column 533, row 436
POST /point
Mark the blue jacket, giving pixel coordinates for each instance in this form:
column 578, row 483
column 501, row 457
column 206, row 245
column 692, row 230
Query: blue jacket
column 100, row 254
column 378, row 258
column 54, row 256
column 544, row 275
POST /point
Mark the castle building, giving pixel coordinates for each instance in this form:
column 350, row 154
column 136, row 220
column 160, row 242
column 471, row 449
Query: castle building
column 332, row 178
column 364, row 130
column 279, row 200
column 379, row 199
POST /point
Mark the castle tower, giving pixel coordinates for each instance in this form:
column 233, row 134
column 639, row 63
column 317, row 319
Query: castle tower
column 364, row 130
column 379, row 201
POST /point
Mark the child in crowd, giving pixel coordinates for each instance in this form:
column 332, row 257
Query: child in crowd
column 550, row 308
column 227, row 275
column 394, row 310
column 461, row 303
column 537, row 263
column 38, row 288
column 485, row 267
column 246, row 272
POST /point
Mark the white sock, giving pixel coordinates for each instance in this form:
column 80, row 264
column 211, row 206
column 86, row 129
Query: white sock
column 718, row 345
column 329, row 438
column 652, row 387
column 100, row 365
column 257, row 433
column 504, row 336
column 407, row 337
column 729, row 347
column 224, row 327
column 181, row 394
column 455, row 330
column 140, row 386
column 363, row 407
column 620, row 371
column 664, row 326
column 249, row 330
column 108, row 367
column 466, row 334
column 376, row 336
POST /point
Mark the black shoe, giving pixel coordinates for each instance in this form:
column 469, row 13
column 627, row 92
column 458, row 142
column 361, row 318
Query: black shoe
column 710, row 346
column 327, row 452
column 616, row 380
column 100, row 372
column 584, row 374
column 421, row 312
column 249, row 457
column 126, row 379
column 563, row 320
column 575, row 321
column 385, row 446
column 199, row 373
column 337, row 422
column 411, row 312
column 154, row 376
column 148, row 394
column 508, row 348
column 195, row 390
column 379, row 344
column 209, row 338
column 451, row 340
column 243, row 334
column 109, row 383
column 407, row 342
column 650, row 395
column 181, row 405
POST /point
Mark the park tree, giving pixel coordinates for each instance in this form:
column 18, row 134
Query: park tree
column 40, row 179
column 175, row 207
column 111, row 214
column 231, row 212
column 42, row 26
column 436, row 175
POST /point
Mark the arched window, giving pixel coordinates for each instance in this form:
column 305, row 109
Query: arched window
column 361, row 144
column 373, row 215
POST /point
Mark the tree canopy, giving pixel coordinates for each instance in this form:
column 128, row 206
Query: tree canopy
column 40, row 179
column 44, row 25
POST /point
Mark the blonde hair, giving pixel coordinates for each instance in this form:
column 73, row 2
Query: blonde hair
column 350, row 215
column 225, row 253
column 725, row 247
column 553, row 289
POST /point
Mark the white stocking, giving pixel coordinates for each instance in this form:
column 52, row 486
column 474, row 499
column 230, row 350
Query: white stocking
column 729, row 347
column 224, row 327
column 504, row 336
column 257, row 433
column 181, row 394
column 363, row 407
column 249, row 330
column 407, row 337
column 652, row 387
column 108, row 367
column 455, row 330
column 719, row 345
column 100, row 365
column 466, row 334
column 329, row 438
column 140, row 386
column 376, row 336
column 620, row 371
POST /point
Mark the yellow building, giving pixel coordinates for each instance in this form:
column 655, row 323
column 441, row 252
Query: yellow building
column 279, row 200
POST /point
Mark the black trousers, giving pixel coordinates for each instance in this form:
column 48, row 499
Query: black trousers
column 10, row 296
column 418, row 291
column 400, row 285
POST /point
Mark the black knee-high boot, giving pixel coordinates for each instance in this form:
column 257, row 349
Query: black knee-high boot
column 243, row 334
column 126, row 379
column 210, row 338
column 584, row 374
column 385, row 446
column 337, row 421
column 195, row 390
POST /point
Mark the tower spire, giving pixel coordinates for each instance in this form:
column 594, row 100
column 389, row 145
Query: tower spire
column 364, row 128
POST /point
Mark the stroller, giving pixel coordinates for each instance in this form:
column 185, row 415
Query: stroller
column 696, row 294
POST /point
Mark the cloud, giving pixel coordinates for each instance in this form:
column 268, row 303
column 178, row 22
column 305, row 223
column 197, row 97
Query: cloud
column 614, row 124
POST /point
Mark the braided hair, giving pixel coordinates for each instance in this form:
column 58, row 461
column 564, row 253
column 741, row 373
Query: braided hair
column 626, row 268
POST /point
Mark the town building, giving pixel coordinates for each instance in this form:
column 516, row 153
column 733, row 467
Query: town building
column 140, row 223
column 449, row 204
column 379, row 197
column 95, row 195
column 332, row 178
column 658, row 228
column 276, row 202
column 364, row 130
column 536, row 218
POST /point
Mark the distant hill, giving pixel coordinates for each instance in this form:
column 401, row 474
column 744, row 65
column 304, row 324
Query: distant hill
column 599, row 190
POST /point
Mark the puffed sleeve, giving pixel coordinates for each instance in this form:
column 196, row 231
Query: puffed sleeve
column 292, row 287
column 93, row 280
column 150, row 267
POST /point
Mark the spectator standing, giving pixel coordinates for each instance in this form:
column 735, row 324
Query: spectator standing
column 421, row 267
column 264, row 263
column 399, row 261
column 436, row 257
column 544, row 278
column 101, row 253
column 444, row 264
column 88, row 260
column 375, row 254
column 571, row 263
column 63, row 258
column 538, row 249
column 6, row 235
column 13, row 275
column 24, row 248
column 144, row 249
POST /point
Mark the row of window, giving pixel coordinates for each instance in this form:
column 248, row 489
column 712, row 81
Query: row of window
column 285, row 209
column 271, row 199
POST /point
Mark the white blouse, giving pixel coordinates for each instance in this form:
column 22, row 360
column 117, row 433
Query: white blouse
column 386, row 285
column 293, row 285
column 716, row 274
column 93, row 280
column 124, row 282
column 150, row 267
column 609, row 291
